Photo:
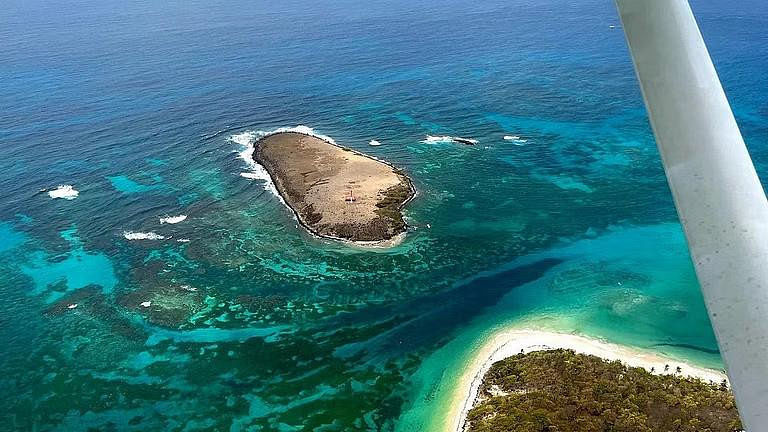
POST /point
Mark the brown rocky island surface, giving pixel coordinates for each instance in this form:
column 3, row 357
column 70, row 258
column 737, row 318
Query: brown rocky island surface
column 335, row 192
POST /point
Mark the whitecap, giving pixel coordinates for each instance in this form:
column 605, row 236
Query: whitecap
column 253, row 175
column 374, row 143
column 247, row 138
column 173, row 219
column 183, row 240
column 66, row 192
column 306, row 130
column 130, row 235
column 430, row 139
column 515, row 139
column 433, row 139
column 257, row 172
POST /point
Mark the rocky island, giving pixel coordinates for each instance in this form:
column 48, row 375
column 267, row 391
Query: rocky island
column 336, row 192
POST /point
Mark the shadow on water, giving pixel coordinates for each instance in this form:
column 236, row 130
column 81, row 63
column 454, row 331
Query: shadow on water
column 430, row 320
column 688, row 346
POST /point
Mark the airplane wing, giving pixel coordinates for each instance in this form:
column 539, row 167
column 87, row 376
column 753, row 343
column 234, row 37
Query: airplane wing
column 718, row 196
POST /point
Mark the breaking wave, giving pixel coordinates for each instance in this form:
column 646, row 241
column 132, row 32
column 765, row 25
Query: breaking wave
column 515, row 139
column 130, row 235
column 248, row 139
column 432, row 139
column 173, row 219
column 66, row 192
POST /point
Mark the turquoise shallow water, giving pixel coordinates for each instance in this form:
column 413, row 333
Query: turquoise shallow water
column 638, row 295
column 235, row 319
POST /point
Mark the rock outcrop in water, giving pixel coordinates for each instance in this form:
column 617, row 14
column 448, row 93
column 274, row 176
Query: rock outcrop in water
column 335, row 192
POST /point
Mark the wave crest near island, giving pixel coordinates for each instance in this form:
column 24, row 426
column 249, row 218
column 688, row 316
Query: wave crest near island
column 445, row 139
column 131, row 235
column 515, row 139
column 247, row 140
column 66, row 192
column 173, row 219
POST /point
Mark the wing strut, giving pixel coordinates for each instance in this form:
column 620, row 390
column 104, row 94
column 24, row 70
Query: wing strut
column 718, row 196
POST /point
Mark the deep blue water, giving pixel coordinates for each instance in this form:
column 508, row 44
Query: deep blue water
column 254, row 323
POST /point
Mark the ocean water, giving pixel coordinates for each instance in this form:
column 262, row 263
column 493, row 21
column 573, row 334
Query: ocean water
column 234, row 318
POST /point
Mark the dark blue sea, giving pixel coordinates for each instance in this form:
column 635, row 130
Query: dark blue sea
column 150, row 280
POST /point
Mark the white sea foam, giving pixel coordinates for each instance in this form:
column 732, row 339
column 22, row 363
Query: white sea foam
column 432, row 139
column 374, row 143
column 183, row 240
column 66, row 192
column 130, row 235
column 515, row 139
column 252, row 176
column 246, row 140
column 173, row 219
column 249, row 137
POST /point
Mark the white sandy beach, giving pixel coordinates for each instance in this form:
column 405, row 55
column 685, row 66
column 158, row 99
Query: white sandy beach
column 510, row 342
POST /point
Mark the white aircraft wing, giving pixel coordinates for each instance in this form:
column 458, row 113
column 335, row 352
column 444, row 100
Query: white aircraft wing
column 719, row 199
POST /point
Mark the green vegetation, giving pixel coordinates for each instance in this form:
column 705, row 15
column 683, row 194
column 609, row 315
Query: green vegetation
column 560, row 390
column 393, row 200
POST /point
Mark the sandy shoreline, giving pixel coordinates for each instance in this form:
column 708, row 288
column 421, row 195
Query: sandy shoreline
column 510, row 342
column 309, row 171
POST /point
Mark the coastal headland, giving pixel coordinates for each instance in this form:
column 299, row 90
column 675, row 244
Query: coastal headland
column 336, row 192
